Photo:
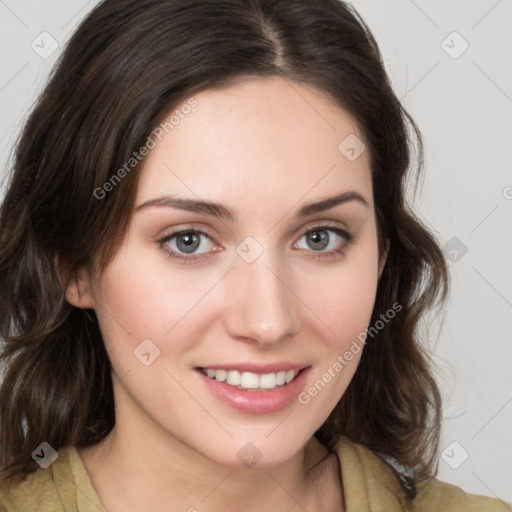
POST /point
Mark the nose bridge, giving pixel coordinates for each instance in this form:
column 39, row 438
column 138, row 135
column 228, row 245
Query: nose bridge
column 260, row 304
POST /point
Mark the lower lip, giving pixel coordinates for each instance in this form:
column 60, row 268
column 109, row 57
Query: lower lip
column 257, row 402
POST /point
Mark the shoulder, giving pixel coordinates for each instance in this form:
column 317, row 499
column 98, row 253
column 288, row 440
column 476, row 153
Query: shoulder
column 46, row 490
column 370, row 483
column 437, row 495
column 37, row 488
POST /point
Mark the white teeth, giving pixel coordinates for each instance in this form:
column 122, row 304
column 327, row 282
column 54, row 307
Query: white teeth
column 234, row 378
column 290, row 375
column 220, row 375
column 267, row 381
column 249, row 380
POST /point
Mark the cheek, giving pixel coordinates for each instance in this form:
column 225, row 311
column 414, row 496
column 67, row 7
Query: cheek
column 344, row 297
column 144, row 293
column 142, row 296
column 343, row 300
column 346, row 308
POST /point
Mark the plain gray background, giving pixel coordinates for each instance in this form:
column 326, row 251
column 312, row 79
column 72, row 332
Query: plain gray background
column 450, row 63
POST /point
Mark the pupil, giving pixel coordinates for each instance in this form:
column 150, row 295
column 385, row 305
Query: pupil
column 319, row 237
column 190, row 241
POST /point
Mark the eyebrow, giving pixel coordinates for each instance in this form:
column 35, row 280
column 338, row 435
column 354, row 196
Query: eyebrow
column 222, row 212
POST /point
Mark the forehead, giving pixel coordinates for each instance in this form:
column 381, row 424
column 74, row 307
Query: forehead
column 257, row 141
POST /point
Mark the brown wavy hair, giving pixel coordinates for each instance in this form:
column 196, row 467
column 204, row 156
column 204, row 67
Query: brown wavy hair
column 128, row 63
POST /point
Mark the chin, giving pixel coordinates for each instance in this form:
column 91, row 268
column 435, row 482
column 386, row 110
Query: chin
column 259, row 450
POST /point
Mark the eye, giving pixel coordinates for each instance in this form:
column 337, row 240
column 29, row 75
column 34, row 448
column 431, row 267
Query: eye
column 180, row 244
column 318, row 240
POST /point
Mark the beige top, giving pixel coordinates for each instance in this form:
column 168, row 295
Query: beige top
column 369, row 485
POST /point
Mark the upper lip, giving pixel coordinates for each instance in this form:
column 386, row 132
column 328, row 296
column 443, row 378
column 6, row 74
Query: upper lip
column 258, row 368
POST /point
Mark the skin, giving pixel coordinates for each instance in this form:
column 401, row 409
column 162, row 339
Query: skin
column 263, row 148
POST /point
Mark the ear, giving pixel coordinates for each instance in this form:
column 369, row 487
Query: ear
column 76, row 286
column 384, row 258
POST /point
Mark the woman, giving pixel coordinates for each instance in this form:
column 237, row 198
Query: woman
column 210, row 282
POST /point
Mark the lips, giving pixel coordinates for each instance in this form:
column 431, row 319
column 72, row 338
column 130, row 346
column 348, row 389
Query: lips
column 256, row 400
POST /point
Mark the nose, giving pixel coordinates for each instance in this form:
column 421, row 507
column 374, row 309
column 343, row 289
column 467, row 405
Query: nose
column 260, row 302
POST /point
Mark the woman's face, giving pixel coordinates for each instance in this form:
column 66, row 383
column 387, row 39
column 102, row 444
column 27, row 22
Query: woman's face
column 272, row 286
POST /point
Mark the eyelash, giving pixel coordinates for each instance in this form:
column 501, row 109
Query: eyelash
column 340, row 251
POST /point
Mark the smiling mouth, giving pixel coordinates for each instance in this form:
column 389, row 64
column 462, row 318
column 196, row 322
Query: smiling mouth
column 250, row 381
